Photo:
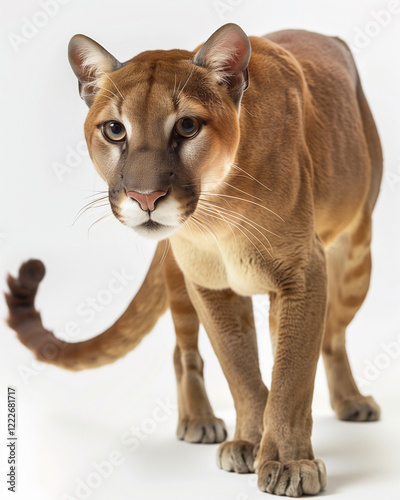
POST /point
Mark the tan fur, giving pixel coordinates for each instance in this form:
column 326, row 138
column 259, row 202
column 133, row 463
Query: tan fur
column 275, row 195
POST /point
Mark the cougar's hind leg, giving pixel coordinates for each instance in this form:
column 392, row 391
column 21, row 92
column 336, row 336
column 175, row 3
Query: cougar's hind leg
column 197, row 422
column 349, row 269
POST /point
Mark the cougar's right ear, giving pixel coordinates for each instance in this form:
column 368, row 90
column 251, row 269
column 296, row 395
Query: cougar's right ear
column 89, row 61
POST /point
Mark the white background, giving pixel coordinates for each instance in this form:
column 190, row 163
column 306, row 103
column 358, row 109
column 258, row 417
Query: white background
column 67, row 422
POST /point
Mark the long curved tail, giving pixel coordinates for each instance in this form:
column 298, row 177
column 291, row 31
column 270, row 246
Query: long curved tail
column 125, row 334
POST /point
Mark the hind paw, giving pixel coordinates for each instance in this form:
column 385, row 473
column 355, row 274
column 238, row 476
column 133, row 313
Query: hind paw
column 358, row 409
column 206, row 430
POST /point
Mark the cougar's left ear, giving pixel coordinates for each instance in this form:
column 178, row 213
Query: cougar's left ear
column 88, row 61
column 227, row 53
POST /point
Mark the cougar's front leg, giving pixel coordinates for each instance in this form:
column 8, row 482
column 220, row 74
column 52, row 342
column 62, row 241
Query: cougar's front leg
column 228, row 320
column 197, row 422
column 285, row 463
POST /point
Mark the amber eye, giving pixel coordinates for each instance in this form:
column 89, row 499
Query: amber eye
column 187, row 127
column 114, row 131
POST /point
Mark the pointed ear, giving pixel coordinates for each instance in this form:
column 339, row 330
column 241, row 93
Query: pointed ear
column 227, row 53
column 88, row 61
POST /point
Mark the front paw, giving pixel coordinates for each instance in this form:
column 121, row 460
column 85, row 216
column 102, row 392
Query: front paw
column 292, row 479
column 237, row 456
column 205, row 430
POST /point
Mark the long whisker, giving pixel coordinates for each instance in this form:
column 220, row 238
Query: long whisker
column 195, row 222
column 222, row 216
column 246, row 110
column 216, row 180
column 244, row 192
column 209, row 214
column 239, row 216
column 96, row 192
column 252, row 242
column 100, row 95
column 177, row 88
column 230, row 217
column 244, row 234
column 243, row 199
column 246, row 229
column 101, row 198
column 251, row 177
column 173, row 93
column 207, row 193
column 188, row 97
column 90, row 205
column 208, row 228
column 213, row 235
column 98, row 220
column 107, row 90
column 88, row 208
column 166, row 250
column 112, row 81
column 188, row 78
column 187, row 226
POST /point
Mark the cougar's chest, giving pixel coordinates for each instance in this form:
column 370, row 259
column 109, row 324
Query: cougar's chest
column 223, row 265
column 201, row 262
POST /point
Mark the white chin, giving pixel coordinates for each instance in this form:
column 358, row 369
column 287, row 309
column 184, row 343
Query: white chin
column 156, row 231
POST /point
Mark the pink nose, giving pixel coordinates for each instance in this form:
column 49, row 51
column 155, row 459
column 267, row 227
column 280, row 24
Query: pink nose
column 146, row 201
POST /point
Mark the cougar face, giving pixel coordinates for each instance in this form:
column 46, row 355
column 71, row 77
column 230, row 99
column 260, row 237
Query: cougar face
column 160, row 130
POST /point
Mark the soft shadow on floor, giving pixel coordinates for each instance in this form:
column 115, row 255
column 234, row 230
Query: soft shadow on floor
column 353, row 452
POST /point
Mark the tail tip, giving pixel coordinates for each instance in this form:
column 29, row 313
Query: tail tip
column 31, row 273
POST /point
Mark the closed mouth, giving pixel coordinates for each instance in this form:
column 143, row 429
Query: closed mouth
column 155, row 230
column 152, row 225
column 166, row 221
